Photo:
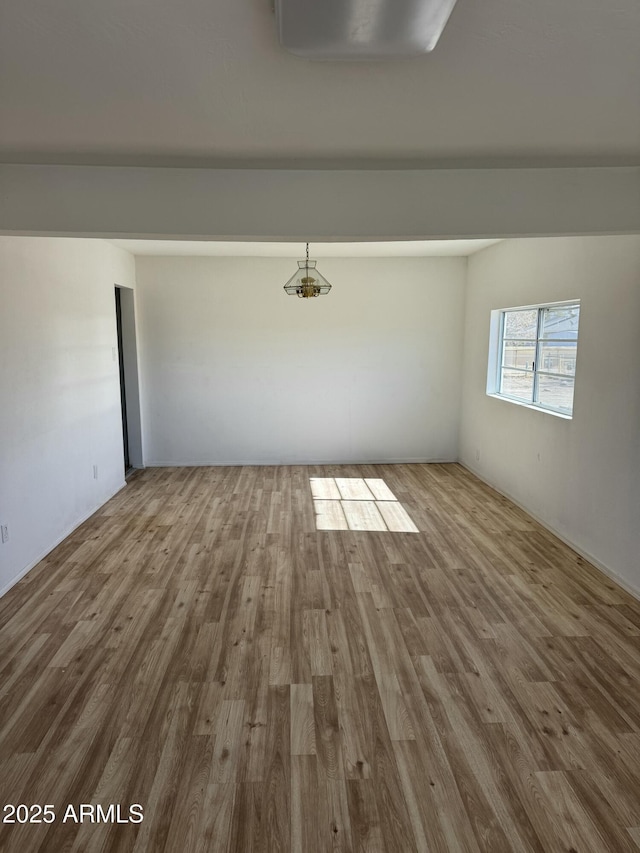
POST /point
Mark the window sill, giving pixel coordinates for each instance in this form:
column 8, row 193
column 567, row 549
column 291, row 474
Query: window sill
column 531, row 406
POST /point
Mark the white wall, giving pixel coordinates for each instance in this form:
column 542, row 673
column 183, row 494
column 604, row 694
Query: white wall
column 581, row 477
column 60, row 400
column 235, row 371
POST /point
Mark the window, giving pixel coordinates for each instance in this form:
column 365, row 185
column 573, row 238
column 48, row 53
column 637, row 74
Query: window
column 533, row 355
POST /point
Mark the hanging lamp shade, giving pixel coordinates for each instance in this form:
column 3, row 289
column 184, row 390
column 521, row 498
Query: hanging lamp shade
column 307, row 281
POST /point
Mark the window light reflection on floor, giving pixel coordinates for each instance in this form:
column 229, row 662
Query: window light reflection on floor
column 354, row 503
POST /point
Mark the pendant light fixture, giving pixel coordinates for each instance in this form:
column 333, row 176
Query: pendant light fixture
column 307, row 281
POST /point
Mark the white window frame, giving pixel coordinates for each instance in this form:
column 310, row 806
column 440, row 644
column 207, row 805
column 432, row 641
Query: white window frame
column 496, row 352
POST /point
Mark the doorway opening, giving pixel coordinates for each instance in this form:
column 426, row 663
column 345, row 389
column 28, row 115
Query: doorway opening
column 123, row 384
column 129, row 389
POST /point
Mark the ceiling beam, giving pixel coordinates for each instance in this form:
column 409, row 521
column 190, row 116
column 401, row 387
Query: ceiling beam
column 318, row 205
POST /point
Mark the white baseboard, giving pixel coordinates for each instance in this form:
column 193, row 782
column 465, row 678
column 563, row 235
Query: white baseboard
column 253, row 463
column 60, row 539
column 606, row 570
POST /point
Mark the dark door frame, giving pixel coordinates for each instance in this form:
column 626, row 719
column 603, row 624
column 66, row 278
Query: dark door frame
column 123, row 392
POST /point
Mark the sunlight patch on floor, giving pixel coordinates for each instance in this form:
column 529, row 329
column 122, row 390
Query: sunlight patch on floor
column 354, row 503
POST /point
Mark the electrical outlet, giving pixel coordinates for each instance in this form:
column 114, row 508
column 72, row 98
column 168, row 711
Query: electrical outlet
column 95, row 472
column 477, row 455
column 4, row 530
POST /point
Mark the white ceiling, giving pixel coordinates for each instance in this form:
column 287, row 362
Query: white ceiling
column 204, row 82
column 398, row 248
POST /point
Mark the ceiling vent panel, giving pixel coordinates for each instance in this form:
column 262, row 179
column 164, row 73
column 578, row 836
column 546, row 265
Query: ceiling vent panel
column 361, row 29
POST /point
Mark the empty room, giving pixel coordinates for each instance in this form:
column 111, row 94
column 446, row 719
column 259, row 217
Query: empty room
column 320, row 420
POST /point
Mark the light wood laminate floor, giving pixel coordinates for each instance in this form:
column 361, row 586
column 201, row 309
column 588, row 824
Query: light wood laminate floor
column 199, row 648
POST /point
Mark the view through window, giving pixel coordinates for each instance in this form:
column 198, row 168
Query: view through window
column 353, row 503
column 537, row 359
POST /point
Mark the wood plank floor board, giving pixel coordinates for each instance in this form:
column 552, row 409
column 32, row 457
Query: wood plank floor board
column 469, row 775
column 306, row 829
column 366, row 831
column 256, row 684
column 395, row 822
